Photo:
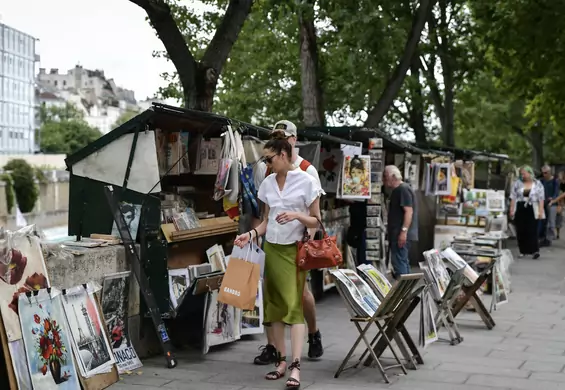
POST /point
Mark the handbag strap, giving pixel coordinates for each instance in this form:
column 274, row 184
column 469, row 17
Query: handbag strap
column 305, row 236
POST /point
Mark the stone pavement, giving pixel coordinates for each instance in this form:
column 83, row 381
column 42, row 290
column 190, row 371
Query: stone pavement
column 526, row 349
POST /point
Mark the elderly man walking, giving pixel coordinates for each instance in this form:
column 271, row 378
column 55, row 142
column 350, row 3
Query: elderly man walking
column 402, row 220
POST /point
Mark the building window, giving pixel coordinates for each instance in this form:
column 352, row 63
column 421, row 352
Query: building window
column 64, row 83
column 56, row 83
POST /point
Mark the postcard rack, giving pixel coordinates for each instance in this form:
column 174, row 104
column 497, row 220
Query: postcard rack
column 387, row 319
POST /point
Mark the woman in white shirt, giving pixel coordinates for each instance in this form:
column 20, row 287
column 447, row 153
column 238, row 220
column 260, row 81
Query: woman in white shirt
column 292, row 203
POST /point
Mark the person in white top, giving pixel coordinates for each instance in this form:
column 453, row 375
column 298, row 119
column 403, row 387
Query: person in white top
column 261, row 171
column 291, row 199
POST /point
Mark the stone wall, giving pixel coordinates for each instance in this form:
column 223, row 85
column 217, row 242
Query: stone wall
column 51, row 209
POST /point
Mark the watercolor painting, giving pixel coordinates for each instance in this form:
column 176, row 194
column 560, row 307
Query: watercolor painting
column 21, row 270
column 90, row 344
column 47, row 342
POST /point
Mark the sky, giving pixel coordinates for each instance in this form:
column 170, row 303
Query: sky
column 105, row 34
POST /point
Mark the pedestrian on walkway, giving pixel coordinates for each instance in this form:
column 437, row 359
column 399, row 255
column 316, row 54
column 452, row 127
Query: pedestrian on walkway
column 315, row 349
column 291, row 199
column 402, row 220
column 526, row 208
column 551, row 190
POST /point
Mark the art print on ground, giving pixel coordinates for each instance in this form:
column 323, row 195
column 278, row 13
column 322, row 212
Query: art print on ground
column 115, row 301
column 22, row 269
column 252, row 320
column 222, row 322
column 47, row 342
column 91, row 347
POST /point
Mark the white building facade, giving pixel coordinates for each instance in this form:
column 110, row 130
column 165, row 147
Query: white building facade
column 18, row 105
column 99, row 98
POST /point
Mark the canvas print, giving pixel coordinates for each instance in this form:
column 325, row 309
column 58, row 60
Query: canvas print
column 330, row 163
column 222, row 323
column 19, row 363
column 252, row 320
column 132, row 214
column 47, row 341
column 90, row 345
column 115, row 301
column 356, row 176
column 179, row 281
column 22, row 269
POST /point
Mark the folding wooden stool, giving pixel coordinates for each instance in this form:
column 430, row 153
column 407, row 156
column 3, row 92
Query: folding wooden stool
column 382, row 319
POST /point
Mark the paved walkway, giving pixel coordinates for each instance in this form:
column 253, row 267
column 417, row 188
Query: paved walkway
column 526, row 349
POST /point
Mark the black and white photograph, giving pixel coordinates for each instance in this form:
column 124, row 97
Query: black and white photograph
column 373, row 222
column 373, row 233
column 115, row 301
column 376, row 154
column 376, row 177
column 373, row 245
column 90, row 345
column 376, row 166
column 373, row 211
column 132, row 214
column 178, row 282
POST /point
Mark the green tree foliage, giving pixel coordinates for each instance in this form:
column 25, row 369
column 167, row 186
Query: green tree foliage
column 25, row 189
column 9, row 189
column 126, row 116
column 63, row 130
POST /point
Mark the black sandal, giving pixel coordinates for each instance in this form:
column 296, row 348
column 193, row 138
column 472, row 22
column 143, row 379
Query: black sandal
column 274, row 375
column 293, row 383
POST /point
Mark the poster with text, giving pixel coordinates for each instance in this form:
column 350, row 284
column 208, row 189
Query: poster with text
column 115, row 302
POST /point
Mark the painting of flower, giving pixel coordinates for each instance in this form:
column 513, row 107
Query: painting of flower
column 22, row 268
column 46, row 338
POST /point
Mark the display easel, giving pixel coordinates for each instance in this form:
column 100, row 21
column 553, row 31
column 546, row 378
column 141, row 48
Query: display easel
column 444, row 315
column 382, row 319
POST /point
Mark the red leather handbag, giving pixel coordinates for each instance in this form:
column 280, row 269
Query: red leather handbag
column 316, row 254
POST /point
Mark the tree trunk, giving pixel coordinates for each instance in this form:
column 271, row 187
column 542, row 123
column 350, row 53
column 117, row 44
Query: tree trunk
column 312, row 103
column 447, row 73
column 535, row 138
column 417, row 108
column 198, row 79
column 394, row 83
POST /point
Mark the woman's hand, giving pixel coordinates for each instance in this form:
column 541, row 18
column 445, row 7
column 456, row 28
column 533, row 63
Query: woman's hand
column 242, row 239
column 287, row 216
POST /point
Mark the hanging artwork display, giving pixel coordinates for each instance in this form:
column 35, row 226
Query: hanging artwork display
column 356, row 177
column 413, row 177
column 22, row 269
column 90, row 345
column 179, row 281
column 115, row 302
column 466, row 171
column 47, row 341
column 221, row 323
column 330, row 164
column 495, row 201
column 252, row 320
column 132, row 215
column 475, row 203
column 209, row 156
column 442, row 173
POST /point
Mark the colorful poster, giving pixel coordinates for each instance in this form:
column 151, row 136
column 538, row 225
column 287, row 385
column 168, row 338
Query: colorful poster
column 90, row 345
column 115, row 301
column 47, row 341
column 22, row 269
column 356, row 177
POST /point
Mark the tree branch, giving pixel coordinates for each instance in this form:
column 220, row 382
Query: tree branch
column 161, row 18
column 394, row 83
column 220, row 46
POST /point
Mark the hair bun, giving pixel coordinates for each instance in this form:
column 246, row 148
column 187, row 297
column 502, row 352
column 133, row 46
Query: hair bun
column 278, row 134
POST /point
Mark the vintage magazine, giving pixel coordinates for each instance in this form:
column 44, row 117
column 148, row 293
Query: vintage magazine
column 358, row 293
column 375, row 279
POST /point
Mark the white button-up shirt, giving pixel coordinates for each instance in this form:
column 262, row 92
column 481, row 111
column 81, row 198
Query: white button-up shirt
column 299, row 192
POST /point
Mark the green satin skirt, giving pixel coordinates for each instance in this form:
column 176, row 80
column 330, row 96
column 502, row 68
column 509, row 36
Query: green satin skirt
column 284, row 285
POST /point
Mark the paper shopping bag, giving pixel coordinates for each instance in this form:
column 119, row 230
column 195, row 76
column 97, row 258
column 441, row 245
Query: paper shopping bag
column 239, row 287
column 251, row 252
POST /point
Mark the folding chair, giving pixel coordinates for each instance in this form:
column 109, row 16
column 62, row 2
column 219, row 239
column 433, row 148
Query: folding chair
column 383, row 319
column 470, row 295
column 444, row 315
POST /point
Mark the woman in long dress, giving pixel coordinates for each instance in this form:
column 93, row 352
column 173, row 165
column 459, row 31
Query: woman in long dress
column 292, row 203
column 526, row 207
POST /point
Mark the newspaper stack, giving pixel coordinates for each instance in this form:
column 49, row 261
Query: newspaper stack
column 362, row 301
